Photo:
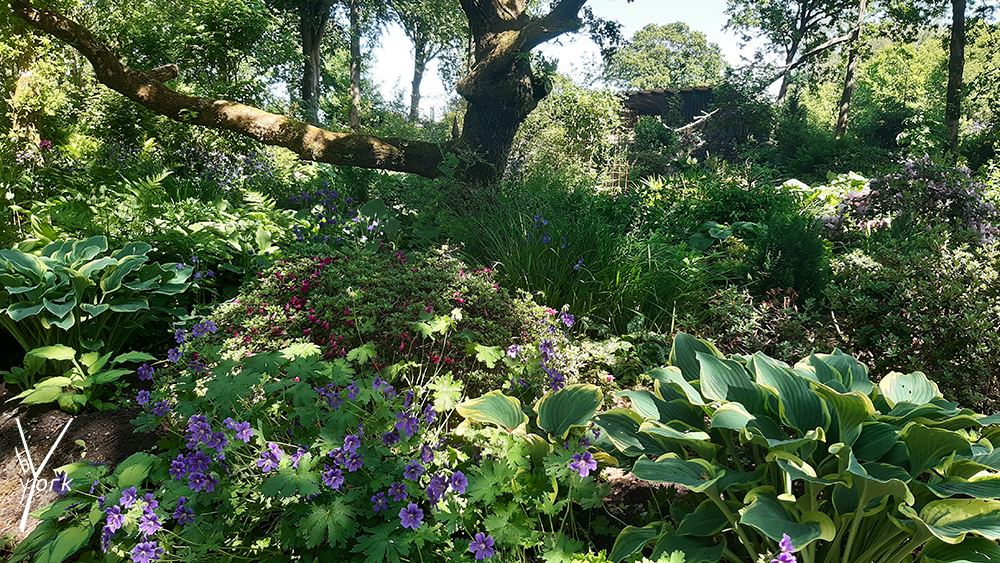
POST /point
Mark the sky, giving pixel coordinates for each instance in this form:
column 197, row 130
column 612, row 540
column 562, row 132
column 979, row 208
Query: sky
column 393, row 67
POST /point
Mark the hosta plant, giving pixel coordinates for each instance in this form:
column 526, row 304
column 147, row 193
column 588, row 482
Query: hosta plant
column 77, row 294
column 850, row 470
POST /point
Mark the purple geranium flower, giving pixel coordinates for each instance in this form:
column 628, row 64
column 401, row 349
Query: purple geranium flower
column 584, row 463
column 379, row 502
column 398, row 491
column 352, row 442
column 128, row 497
column 355, row 462
column 269, row 458
column 161, row 409
column 482, row 546
column 144, row 552
column 61, row 483
column 411, row 516
column 413, row 470
column 437, row 487
column 115, row 518
column 459, row 482
column 149, row 523
column 182, row 513
column 145, row 372
column 332, row 477
column 407, row 423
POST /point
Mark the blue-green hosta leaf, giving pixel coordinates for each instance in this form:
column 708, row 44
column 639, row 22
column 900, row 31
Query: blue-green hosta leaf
column 621, row 426
column 912, row 388
column 670, row 468
column 951, row 519
column 989, row 420
column 94, row 310
column 928, row 447
column 853, row 374
column 573, row 405
column 494, row 408
column 85, row 250
column 132, row 249
column 64, row 323
column 62, row 307
column 672, row 376
column 683, row 435
column 876, row 438
column 133, row 305
column 849, row 411
column 800, row 407
column 20, row 311
column 799, row 469
column 706, row 520
column 956, row 422
column 632, row 539
column 732, row 416
column 985, row 486
column 17, row 290
column 27, row 264
column 652, row 407
column 774, row 518
column 111, row 281
column 742, row 481
column 684, row 354
column 972, row 550
column 695, row 550
column 726, row 380
column 806, row 444
column 94, row 266
column 132, row 471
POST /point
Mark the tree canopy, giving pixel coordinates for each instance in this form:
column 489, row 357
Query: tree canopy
column 666, row 56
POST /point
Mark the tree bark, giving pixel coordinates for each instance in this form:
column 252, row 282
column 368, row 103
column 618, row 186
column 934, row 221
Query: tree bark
column 850, row 80
column 355, row 89
column 501, row 90
column 24, row 114
column 420, row 59
column 956, row 67
column 313, row 17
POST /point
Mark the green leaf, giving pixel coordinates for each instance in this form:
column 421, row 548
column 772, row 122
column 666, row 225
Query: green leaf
column 683, row 435
column 27, row 264
column 951, row 519
column 60, row 309
column 88, row 269
column 773, row 518
column 683, row 354
column 673, row 377
column 111, row 281
column 54, row 352
column 622, row 428
column 133, row 305
column 489, row 355
column 132, row 249
column 696, row 550
column 64, row 323
column 362, row 354
column 631, row 540
column 733, row 416
column 928, row 447
column 706, row 520
column 849, row 412
column 289, row 482
column 970, row 550
column 986, row 486
column 134, row 356
column 68, row 542
column 852, row 373
column 912, row 388
column 799, row 406
column 494, row 408
column 334, row 522
column 875, row 440
column 94, row 310
column 22, row 310
column 42, row 395
column 652, row 407
column 132, row 471
column 447, row 391
column 573, row 405
column 696, row 474
column 726, row 380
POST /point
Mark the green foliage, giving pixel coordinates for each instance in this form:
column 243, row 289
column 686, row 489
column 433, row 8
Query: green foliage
column 82, row 385
column 790, row 253
column 925, row 303
column 846, row 468
column 666, row 56
column 77, row 294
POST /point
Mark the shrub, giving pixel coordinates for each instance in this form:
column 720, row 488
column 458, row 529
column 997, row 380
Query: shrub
column 924, row 303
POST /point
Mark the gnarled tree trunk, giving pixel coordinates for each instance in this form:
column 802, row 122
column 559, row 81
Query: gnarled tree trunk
column 313, row 17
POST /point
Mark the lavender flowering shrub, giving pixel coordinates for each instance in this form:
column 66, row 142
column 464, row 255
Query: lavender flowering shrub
column 920, row 195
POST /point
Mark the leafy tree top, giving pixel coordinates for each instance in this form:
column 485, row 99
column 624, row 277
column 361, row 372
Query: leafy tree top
column 666, row 56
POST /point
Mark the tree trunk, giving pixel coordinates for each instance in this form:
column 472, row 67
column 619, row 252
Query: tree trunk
column 786, row 76
column 850, row 80
column 313, row 17
column 355, row 89
column 25, row 115
column 419, row 66
column 956, row 66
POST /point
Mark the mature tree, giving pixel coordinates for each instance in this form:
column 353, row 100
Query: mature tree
column 956, row 67
column 850, row 80
column 666, row 56
column 501, row 90
column 797, row 29
column 434, row 26
column 314, row 19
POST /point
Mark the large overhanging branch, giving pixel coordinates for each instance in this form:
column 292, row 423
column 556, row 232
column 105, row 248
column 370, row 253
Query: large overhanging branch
column 310, row 143
column 810, row 54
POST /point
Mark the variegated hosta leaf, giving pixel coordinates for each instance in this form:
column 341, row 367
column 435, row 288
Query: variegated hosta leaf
column 696, row 474
column 726, row 380
column 774, row 518
column 574, row 405
column 494, row 408
column 950, row 520
column 972, row 550
column 928, row 447
column 800, row 407
column 683, row 354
